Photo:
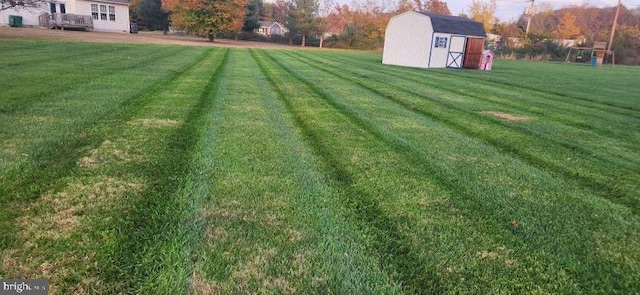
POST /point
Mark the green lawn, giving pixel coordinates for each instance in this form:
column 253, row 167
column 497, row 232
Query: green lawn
column 175, row 170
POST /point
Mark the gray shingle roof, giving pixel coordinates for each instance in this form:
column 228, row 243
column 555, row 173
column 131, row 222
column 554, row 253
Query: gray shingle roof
column 265, row 23
column 455, row 25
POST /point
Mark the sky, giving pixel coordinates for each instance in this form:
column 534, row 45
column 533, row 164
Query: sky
column 512, row 9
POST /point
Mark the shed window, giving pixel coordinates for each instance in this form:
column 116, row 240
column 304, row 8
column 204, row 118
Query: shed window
column 441, row 42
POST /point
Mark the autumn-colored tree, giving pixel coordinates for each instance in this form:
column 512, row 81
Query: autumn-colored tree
column 277, row 11
column 335, row 21
column 484, row 12
column 363, row 28
column 544, row 21
column 438, row 7
column 403, row 6
column 207, row 17
column 567, row 27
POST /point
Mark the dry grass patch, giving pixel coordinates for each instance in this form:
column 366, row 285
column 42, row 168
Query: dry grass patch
column 253, row 269
column 106, row 152
column 59, row 218
column 20, row 263
column 10, row 147
column 199, row 285
column 155, row 123
column 500, row 253
column 56, row 215
column 505, row 116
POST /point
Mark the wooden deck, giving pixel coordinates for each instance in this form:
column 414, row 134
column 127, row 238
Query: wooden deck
column 66, row 20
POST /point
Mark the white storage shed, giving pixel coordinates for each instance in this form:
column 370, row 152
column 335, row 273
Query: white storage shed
column 425, row 40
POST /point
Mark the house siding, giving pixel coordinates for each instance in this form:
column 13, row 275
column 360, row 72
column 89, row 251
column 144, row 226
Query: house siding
column 120, row 25
column 408, row 40
column 29, row 16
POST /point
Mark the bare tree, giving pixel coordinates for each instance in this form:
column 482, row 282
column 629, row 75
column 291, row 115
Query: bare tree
column 8, row 4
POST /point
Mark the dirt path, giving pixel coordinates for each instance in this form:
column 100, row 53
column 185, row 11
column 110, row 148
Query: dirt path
column 140, row 38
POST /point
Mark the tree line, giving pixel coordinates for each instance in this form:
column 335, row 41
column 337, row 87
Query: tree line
column 361, row 24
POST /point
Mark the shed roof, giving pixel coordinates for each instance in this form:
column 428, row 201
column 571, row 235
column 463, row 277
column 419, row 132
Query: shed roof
column 455, row 25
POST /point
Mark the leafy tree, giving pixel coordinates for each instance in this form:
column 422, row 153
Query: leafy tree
column 436, row 6
column 567, row 27
column 277, row 11
column 207, row 17
column 303, row 18
column 362, row 29
column 255, row 13
column 7, row 4
column 543, row 22
column 484, row 12
column 151, row 15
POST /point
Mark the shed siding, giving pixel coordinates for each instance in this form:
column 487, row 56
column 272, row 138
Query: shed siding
column 408, row 40
column 439, row 54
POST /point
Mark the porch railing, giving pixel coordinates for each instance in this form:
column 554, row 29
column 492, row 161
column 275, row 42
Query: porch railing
column 66, row 20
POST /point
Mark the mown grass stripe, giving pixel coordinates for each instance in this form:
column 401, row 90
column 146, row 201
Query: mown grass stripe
column 619, row 195
column 51, row 54
column 391, row 242
column 501, row 83
column 483, row 208
column 596, row 103
column 161, row 232
column 561, row 112
column 57, row 158
column 318, row 208
column 571, row 145
column 19, row 100
column 351, row 75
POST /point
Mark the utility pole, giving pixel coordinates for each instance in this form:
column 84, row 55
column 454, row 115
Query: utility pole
column 613, row 31
column 529, row 14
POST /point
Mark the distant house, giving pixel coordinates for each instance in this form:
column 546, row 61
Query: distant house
column 96, row 15
column 425, row 40
column 271, row 28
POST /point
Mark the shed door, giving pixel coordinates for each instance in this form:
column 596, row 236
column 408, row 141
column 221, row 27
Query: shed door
column 456, row 52
column 473, row 53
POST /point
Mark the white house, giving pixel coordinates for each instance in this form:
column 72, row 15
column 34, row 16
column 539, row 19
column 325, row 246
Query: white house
column 97, row 15
column 270, row 28
column 425, row 40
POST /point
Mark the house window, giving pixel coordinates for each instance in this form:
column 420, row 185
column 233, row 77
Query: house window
column 63, row 9
column 112, row 13
column 94, row 11
column 103, row 12
column 52, row 7
column 441, row 42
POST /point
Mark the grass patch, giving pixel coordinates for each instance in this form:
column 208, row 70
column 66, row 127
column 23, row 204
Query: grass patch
column 180, row 170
